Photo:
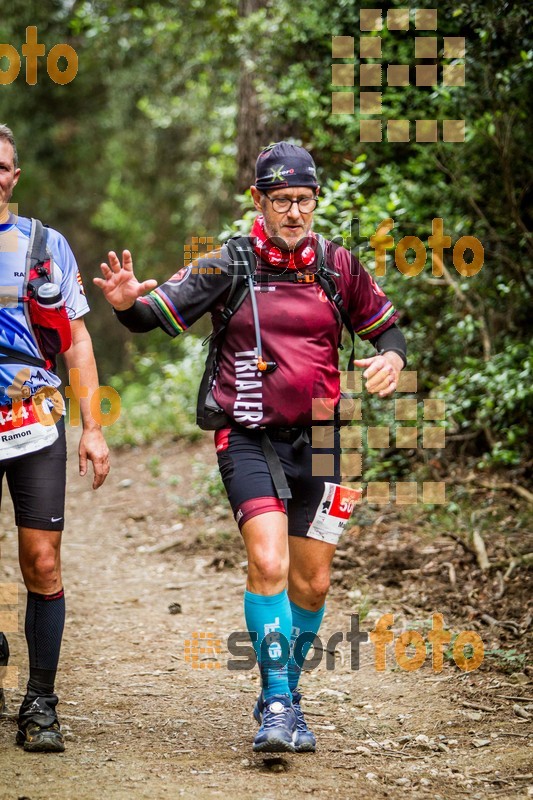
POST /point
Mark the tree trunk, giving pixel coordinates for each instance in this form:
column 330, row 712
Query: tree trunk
column 250, row 128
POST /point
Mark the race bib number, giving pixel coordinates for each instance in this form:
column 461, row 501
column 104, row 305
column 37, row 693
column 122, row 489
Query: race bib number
column 333, row 512
column 24, row 434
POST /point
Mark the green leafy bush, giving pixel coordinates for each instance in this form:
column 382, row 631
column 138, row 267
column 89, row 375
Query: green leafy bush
column 158, row 396
column 494, row 398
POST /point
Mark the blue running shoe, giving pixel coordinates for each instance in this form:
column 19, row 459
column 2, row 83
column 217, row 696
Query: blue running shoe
column 278, row 726
column 305, row 741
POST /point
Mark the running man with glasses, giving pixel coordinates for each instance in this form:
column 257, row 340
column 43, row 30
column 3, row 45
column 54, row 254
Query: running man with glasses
column 272, row 399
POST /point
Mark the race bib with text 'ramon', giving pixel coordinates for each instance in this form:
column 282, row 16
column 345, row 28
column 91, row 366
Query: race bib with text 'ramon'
column 25, row 433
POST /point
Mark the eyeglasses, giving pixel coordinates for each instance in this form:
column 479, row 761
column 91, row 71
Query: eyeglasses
column 282, row 204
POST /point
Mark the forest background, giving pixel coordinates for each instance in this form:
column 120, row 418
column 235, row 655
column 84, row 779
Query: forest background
column 154, row 142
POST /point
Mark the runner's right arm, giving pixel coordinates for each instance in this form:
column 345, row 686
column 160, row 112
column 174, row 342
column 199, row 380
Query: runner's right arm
column 139, row 318
column 174, row 305
column 119, row 284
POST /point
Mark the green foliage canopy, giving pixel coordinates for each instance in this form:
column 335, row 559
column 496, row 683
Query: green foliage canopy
column 139, row 151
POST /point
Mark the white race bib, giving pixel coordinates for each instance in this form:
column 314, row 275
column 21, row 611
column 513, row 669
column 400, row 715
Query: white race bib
column 333, row 512
column 27, row 435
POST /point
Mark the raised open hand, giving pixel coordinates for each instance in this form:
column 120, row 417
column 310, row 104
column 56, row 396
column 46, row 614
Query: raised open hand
column 119, row 284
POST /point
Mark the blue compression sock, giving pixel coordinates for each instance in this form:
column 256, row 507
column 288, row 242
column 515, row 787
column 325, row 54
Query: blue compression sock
column 303, row 621
column 269, row 618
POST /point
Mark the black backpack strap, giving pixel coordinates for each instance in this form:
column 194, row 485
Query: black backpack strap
column 36, row 254
column 240, row 266
column 285, row 277
column 277, row 473
column 238, row 292
column 11, row 356
column 242, row 255
column 205, row 384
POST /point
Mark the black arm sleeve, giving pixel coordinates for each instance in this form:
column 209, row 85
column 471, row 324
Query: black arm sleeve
column 139, row 318
column 391, row 339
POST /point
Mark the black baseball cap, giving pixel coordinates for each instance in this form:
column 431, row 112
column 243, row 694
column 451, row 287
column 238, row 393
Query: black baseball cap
column 284, row 164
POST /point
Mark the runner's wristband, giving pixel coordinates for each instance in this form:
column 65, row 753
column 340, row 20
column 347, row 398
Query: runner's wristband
column 391, row 340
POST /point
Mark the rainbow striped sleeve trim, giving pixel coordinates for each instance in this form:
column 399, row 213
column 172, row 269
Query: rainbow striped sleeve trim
column 377, row 320
column 168, row 310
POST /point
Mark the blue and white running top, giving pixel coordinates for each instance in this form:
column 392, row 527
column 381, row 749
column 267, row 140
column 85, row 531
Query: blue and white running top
column 14, row 332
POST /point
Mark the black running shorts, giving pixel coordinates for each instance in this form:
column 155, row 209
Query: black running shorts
column 249, row 485
column 37, row 485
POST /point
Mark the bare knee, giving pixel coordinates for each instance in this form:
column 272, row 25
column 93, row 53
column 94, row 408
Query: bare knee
column 318, row 587
column 265, row 536
column 310, row 591
column 267, row 573
column 41, row 572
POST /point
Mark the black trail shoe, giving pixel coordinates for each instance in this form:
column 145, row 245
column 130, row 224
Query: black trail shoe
column 39, row 730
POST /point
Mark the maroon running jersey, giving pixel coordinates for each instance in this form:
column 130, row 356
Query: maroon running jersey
column 300, row 330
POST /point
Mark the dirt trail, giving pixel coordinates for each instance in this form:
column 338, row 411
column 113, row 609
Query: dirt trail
column 142, row 723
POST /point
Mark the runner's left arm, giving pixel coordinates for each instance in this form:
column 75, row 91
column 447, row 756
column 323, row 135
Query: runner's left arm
column 382, row 371
column 373, row 318
column 80, row 362
column 83, row 384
